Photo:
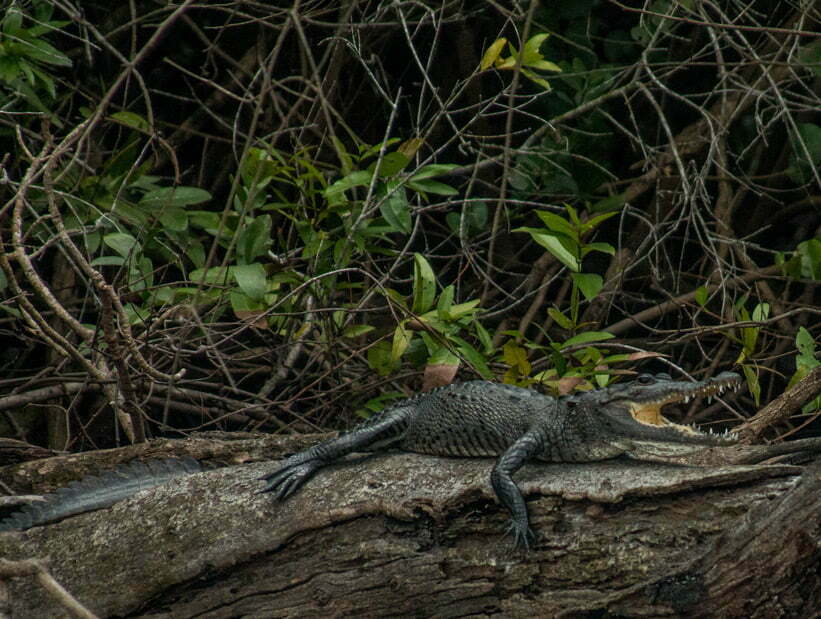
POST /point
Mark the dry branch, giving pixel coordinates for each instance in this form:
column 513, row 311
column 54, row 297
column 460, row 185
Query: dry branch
column 783, row 406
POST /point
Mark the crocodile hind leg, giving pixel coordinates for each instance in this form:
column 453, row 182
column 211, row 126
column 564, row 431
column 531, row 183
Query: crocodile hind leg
column 525, row 448
column 382, row 432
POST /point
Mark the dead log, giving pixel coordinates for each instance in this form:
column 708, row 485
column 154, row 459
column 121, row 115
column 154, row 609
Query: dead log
column 411, row 535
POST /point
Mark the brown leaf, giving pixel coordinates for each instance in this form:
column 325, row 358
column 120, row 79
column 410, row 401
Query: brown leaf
column 438, row 375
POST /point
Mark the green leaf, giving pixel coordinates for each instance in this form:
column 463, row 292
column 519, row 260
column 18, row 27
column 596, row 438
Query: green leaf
column 484, row 337
column 445, row 303
column 464, row 309
column 473, row 356
column 104, row 261
column 335, row 193
column 13, row 21
column 749, row 336
column 544, row 65
column 560, row 319
column 357, row 330
column 247, row 308
column 396, row 209
column 701, row 296
column 26, row 68
column 379, row 358
column 559, row 224
column 609, row 203
column 442, row 356
column 556, row 245
column 530, row 52
column 605, row 248
column 589, row 283
column 431, row 170
column 390, row 164
column 29, row 95
column 174, row 219
column 141, row 277
column 255, row 239
column 805, row 343
column 515, row 356
column 217, row 276
column 121, row 242
column 9, row 69
column 574, row 216
column 344, row 157
column 195, row 251
column 136, row 315
column 454, row 221
column 92, row 241
column 424, row 285
column 45, row 28
column 135, row 121
column 206, row 220
column 533, row 77
column 434, row 187
column 510, row 61
column 401, row 340
column 45, row 78
column 588, row 336
column 369, row 151
column 490, row 57
column 752, row 383
column 598, row 219
column 810, row 256
column 761, row 312
column 43, row 52
column 251, row 279
column 174, row 196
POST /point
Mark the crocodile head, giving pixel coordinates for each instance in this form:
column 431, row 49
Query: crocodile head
column 630, row 417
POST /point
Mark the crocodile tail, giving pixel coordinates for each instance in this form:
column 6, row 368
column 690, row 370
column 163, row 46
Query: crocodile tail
column 100, row 491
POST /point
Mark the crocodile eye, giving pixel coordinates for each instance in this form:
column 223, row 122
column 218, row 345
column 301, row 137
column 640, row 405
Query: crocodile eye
column 663, row 376
column 646, row 379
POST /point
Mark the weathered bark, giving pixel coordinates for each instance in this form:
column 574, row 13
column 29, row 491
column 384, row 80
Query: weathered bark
column 411, row 535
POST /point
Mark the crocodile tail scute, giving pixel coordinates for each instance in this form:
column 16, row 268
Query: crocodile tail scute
column 100, row 491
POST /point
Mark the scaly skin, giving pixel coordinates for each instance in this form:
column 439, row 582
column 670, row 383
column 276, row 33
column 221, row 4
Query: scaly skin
column 100, row 491
column 486, row 419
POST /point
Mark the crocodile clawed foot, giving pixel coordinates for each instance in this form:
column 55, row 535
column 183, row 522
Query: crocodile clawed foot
column 523, row 535
column 288, row 479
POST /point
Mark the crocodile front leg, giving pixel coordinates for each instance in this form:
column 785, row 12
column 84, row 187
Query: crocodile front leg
column 525, row 448
column 298, row 468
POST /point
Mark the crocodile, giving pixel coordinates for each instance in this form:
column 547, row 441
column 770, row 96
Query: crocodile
column 477, row 418
column 99, row 491
column 514, row 424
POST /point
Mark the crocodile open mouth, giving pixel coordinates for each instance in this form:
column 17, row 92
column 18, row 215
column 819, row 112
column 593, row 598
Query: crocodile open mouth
column 648, row 412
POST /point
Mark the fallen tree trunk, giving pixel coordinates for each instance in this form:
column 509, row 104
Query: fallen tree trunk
column 405, row 534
